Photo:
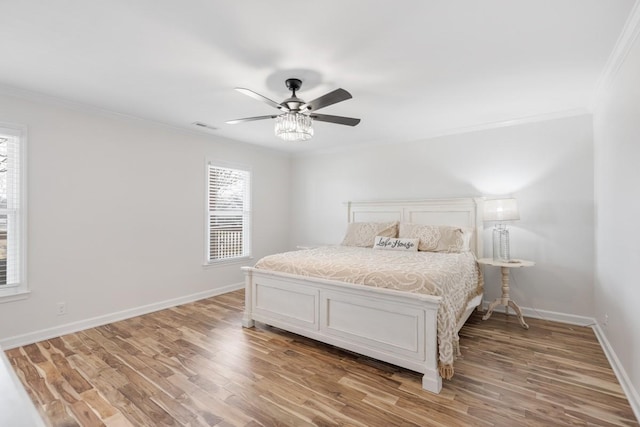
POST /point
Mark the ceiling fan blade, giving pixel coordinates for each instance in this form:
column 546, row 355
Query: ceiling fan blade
column 349, row 121
column 259, row 97
column 325, row 100
column 249, row 119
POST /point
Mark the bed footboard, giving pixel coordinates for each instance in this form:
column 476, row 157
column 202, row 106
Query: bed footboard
column 392, row 326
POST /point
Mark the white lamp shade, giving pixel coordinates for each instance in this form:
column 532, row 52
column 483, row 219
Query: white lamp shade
column 501, row 210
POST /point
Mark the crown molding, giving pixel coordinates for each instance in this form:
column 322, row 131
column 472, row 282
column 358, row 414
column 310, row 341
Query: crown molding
column 618, row 55
column 57, row 101
column 54, row 101
column 543, row 117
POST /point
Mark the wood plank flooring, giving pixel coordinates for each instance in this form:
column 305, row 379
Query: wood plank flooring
column 194, row 365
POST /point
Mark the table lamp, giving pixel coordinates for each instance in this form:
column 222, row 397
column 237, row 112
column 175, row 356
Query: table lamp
column 500, row 210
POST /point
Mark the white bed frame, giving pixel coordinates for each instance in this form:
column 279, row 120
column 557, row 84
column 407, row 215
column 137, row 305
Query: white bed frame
column 396, row 327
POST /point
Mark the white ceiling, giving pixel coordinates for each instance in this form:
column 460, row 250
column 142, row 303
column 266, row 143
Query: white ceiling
column 414, row 67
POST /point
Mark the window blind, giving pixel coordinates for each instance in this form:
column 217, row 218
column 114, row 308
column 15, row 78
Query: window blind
column 229, row 206
column 10, row 204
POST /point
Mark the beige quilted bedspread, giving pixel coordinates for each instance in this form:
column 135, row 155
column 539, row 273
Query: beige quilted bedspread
column 453, row 276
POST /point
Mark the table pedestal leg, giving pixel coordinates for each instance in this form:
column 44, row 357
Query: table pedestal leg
column 505, row 300
column 516, row 308
column 492, row 306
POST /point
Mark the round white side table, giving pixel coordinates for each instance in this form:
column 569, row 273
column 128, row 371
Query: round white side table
column 504, row 299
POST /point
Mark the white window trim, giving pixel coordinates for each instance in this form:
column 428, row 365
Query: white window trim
column 227, row 261
column 21, row 290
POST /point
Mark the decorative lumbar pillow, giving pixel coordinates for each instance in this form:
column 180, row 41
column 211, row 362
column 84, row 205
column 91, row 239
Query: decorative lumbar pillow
column 437, row 238
column 395, row 244
column 363, row 234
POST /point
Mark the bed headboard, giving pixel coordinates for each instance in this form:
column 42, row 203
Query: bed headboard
column 463, row 212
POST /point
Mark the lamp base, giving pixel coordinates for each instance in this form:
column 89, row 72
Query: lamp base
column 501, row 243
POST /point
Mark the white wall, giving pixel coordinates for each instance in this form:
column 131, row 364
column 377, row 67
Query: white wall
column 617, row 177
column 116, row 212
column 547, row 166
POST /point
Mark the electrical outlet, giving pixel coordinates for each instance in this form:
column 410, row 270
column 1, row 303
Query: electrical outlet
column 61, row 308
column 606, row 320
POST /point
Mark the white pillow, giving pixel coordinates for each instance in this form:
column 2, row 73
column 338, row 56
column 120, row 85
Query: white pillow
column 438, row 238
column 395, row 244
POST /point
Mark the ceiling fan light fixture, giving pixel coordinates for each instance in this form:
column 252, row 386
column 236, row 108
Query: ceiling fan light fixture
column 294, row 126
column 295, row 120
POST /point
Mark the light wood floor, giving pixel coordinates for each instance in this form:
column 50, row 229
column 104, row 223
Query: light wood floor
column 195, row 365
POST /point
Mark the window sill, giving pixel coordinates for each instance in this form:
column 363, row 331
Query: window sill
column 13, row 294
column 225, row 262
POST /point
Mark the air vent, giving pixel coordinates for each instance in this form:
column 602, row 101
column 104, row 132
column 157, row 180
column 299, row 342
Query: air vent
column 204, row 125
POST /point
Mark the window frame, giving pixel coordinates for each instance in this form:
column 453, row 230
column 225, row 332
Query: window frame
column 19, row 290
column 247, row 217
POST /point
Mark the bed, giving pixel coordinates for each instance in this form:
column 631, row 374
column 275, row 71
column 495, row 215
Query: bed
column 399, row 326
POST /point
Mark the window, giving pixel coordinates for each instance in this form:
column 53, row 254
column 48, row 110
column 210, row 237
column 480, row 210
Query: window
column 12, row 213
column 229, row 213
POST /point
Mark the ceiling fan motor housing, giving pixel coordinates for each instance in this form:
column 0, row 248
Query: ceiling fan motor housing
column 293, row 85
column 294, row 103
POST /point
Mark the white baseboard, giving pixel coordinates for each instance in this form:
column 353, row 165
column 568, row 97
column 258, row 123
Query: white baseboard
column 554, row 316
column 625, row 382
column 69, row 328
column 632, row 394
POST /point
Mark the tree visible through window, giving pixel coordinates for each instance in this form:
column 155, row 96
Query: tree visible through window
column 228, row 198
column 10, row 209
column 3, row 205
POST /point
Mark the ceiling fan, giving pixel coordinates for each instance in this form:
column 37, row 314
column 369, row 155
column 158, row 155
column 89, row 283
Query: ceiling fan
column 294, row 123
